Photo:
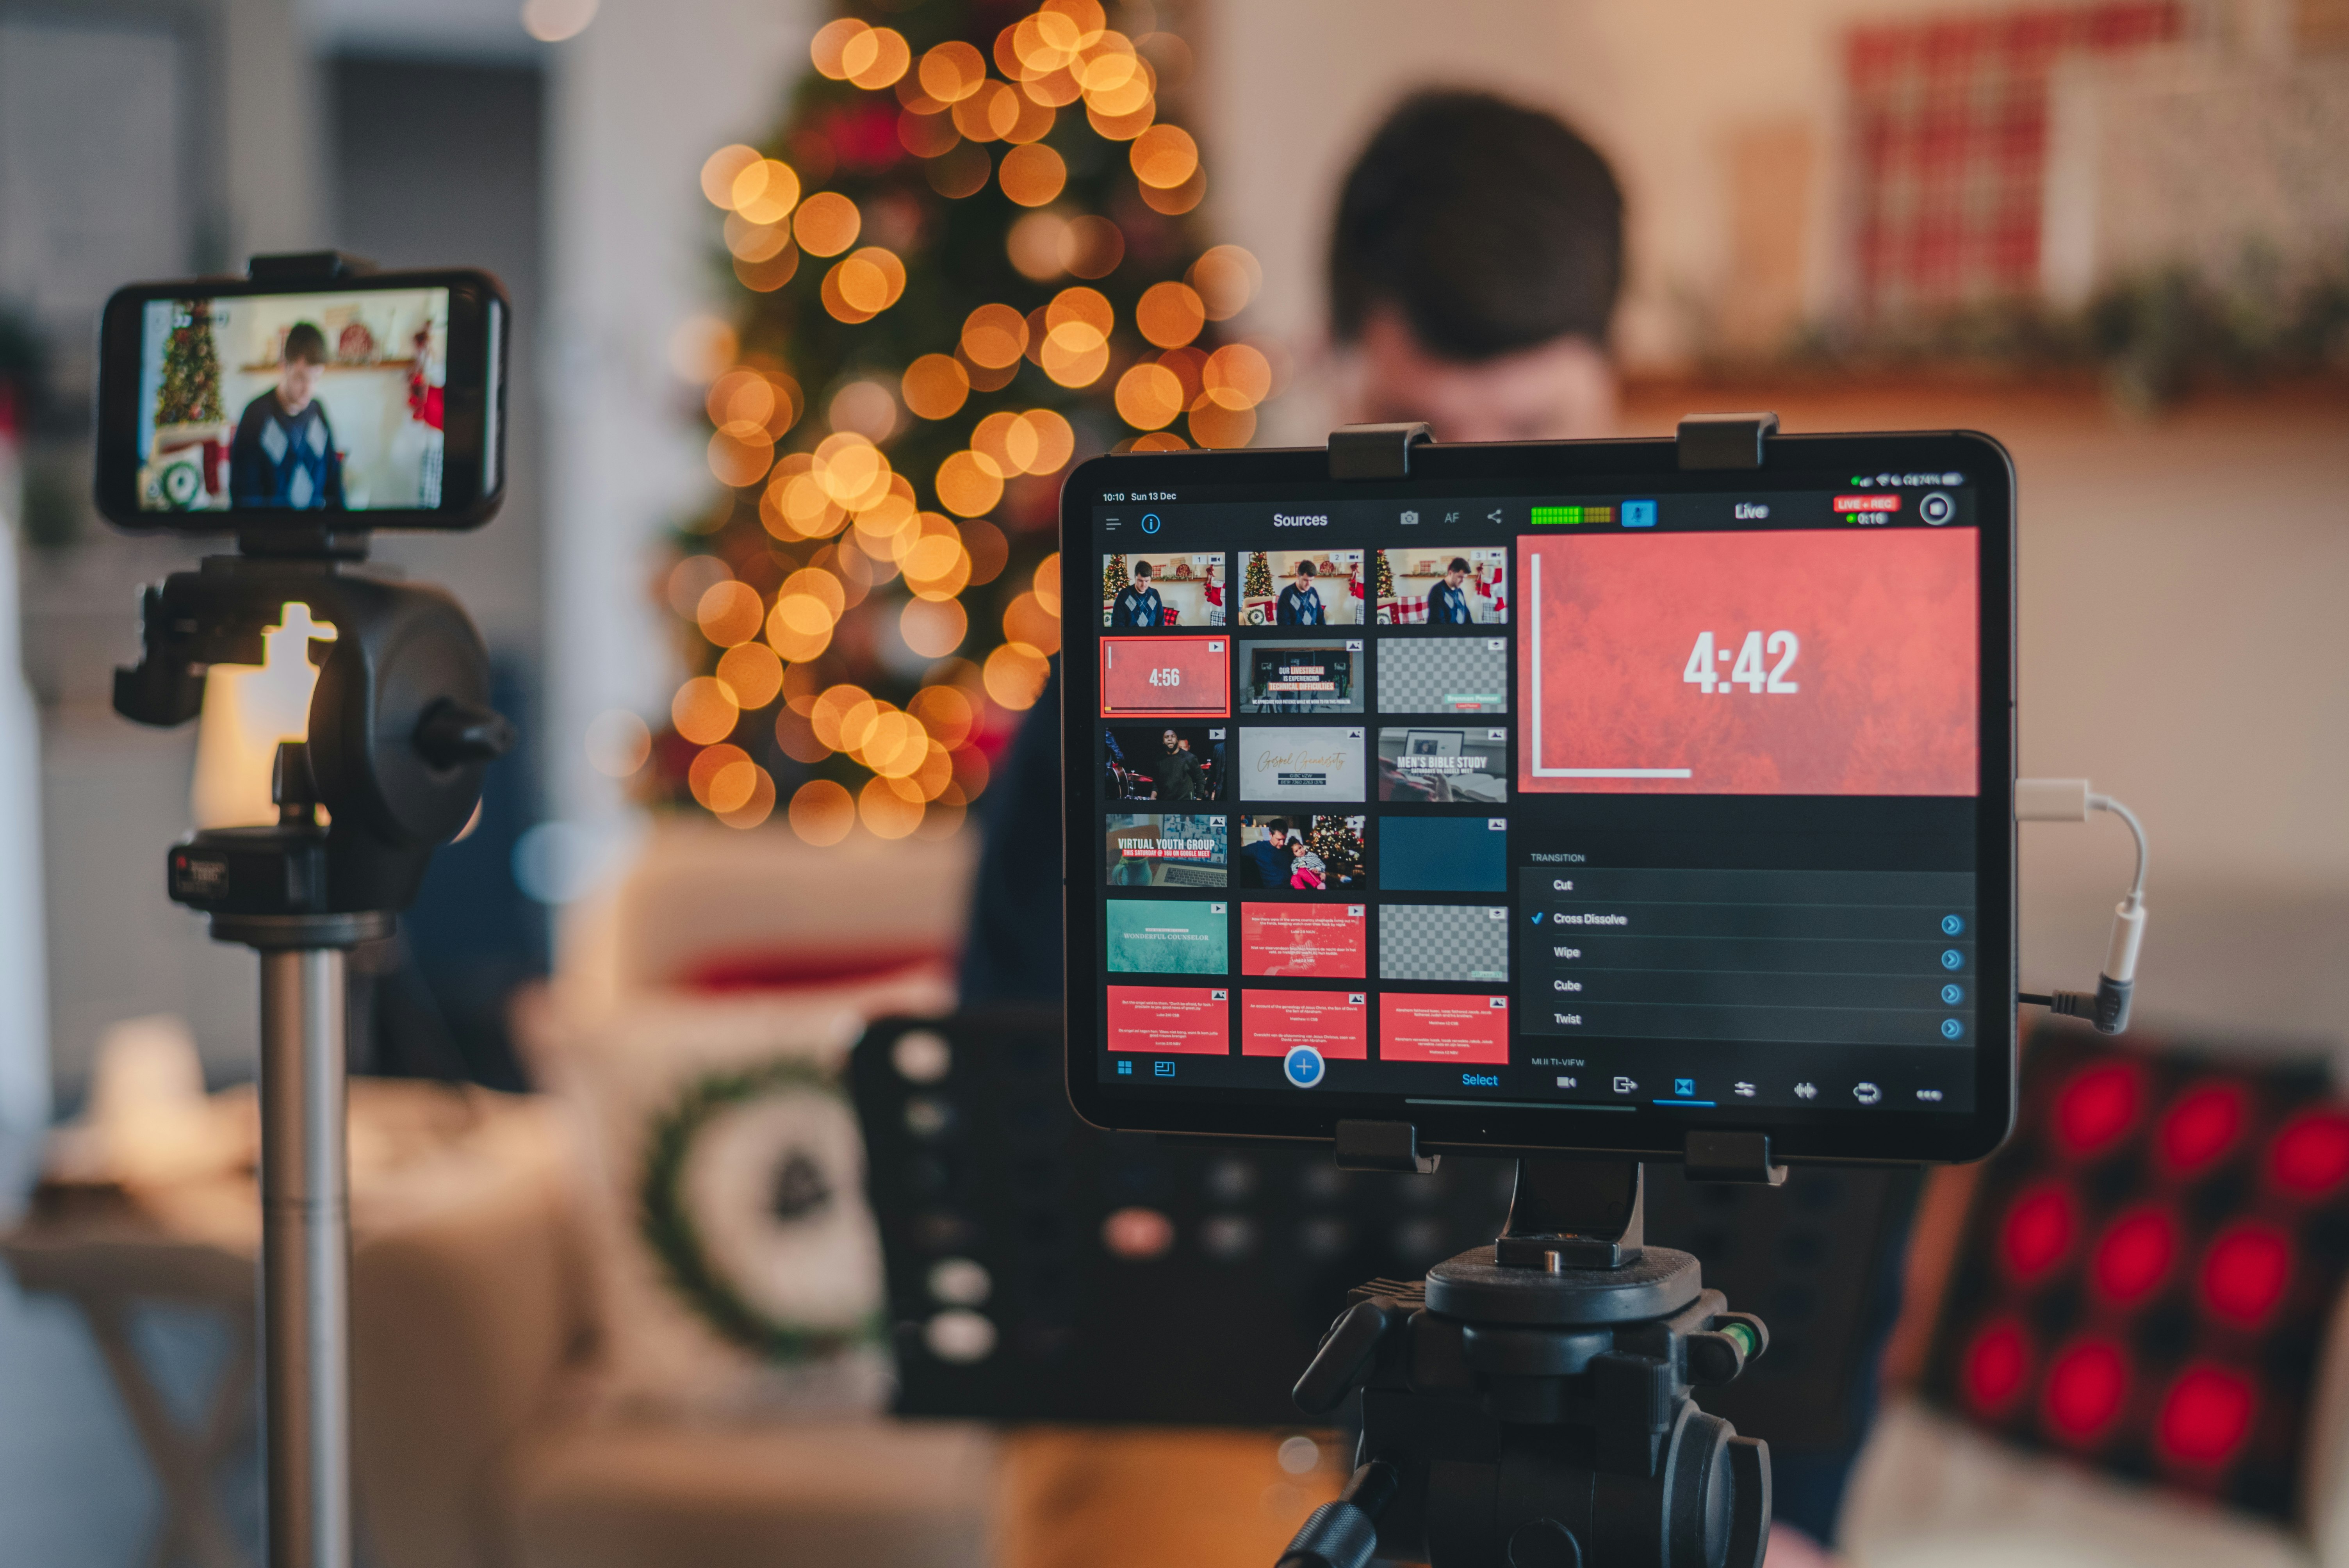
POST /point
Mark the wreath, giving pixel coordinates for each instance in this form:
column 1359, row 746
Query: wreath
column 667, row 1225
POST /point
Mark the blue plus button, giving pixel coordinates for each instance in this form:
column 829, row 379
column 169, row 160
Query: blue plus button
column 1303, row 1066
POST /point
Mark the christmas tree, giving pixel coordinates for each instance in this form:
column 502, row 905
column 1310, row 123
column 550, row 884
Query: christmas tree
column 962, row 263
column 1338, row 842
column 1259, row 577
column 1386, row 589
column 1113, row 581
column 190, row 392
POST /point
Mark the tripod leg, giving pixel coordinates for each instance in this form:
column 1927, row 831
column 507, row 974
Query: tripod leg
column 304, row 1259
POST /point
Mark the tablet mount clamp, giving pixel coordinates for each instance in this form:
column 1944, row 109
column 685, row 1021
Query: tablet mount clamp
column 1529, row 1403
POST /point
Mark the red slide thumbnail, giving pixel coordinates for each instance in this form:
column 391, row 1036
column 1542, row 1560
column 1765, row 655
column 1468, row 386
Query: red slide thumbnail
column 1167, row 677
column 1335, row 1023
column 1303, row 940
column 1433, row 1027
column 1803, row 662
column 1169, row 1020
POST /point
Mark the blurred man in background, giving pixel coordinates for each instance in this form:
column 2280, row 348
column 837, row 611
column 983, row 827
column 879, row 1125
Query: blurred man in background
column 1474, row 270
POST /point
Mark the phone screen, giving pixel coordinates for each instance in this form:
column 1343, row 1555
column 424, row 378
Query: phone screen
column 1635, row 799
column 296, row 402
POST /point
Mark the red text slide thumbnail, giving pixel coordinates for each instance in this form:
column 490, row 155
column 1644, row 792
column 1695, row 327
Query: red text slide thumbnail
column 1167, row 677
column 1335, row 1023
column 1169, row 1020
column 1431, row 1027
column 1796, row 662
column 1303, row 940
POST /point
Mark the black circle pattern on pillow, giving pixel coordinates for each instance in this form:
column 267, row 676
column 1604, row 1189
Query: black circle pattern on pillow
column 2150, row 1265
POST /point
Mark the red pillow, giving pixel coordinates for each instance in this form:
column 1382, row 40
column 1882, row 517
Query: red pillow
column 2150, row 1266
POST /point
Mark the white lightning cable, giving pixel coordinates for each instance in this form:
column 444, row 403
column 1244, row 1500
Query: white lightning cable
column 2071, row 800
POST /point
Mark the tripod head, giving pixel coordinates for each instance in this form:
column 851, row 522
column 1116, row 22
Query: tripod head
column 401, row 730
column 1529, row 1403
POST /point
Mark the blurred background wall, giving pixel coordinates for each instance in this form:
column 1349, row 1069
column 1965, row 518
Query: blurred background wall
column 1787, row 167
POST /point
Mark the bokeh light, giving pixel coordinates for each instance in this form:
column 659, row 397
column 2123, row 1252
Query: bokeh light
column 1176, row 200
column 962, row 170
column 1165, row 156
column 953, row 71
column 968, row 484
column 990, row 550
column 934, row 386
column 729, row 613
column 886, row 814
column 690, row 578
column 1170, row 314
column 989, row 114
column 719, row 170
column 827, row 51
column 1014, row 675
column 1237, row 375
column 1093, row 247
column 708, row 766
column 1032, row 175
column 1035, row 244
column 1226, row 277
column 765, row 191
column 1220, row 428
column 703, row 711
column 618, row 743
column 1028, row 620
column 931, row 135
column 870, row 281
column 876, row 58
column 821, row 812
column 1056, row 441
column 933, row 627
column 826, row 224
column 1149, row 396
column 752, row 673
column 994, row 335
column 865, row 407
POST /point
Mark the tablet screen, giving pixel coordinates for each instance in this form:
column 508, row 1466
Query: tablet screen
column 1628, row 800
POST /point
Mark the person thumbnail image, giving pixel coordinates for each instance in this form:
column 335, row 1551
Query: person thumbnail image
column 1438, row 587
column 1304, row 854
column 1439, row 767
column 1147, row 850
column 1303, row 588
column 1143, row 592
column 1171, row 762
column 284, row 452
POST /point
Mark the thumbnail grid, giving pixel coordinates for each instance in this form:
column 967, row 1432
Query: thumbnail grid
column 1301, row 756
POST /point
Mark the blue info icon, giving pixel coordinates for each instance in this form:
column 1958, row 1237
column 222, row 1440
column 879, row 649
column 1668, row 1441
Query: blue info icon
column 1302, row 1065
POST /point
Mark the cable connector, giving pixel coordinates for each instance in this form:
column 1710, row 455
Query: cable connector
column 2071, row 800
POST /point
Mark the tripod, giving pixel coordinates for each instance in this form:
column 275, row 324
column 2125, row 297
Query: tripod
column 1527, row 1404
column 399, row 734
